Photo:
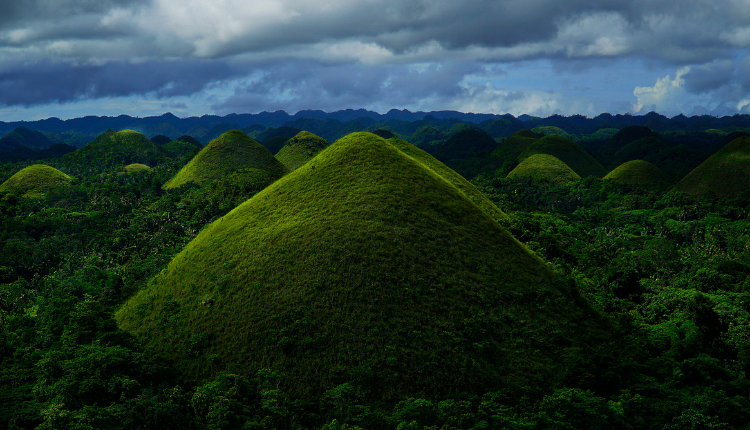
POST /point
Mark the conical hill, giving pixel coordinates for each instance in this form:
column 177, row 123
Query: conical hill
column 363, row 265
column 726, row 173
column 515, row 144
column 637, row 172
column 543, row 167
column 300, row 149
column 34, row 180
column 231, row 152
column 135, row 168
column 183, row 146
column 568, row 152
column 115, row 148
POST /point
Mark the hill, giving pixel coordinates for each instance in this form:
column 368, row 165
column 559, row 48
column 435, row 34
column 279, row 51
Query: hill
column 136, row 167
column 361, row 265
column 640, row 149
column 543, row 167
column 514, row 145
column 22, row 136
column 465, row 143
column 726, row 173
column 183, row 146
column 34, row 180
column 568, row 152
column 623, row 137
column 300, row 149
column 230, row 152
column 637, row 172
column 113, row 149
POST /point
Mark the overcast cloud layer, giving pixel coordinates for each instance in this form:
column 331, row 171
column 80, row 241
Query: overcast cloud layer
column 219, row 56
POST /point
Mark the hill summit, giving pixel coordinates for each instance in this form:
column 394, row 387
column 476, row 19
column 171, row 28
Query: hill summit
column 115, row 148
column 545, row 167
column 637, row 172
column 726, row 173
column 34, row 180
column 364, row 264
column 230, row 152
column 568, row 152
column 300, row 149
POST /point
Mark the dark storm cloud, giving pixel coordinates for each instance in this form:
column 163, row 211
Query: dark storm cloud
column 47, row 82
column 711, row 76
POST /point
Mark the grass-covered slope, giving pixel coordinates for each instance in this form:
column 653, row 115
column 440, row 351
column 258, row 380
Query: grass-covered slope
column 543, row 167
column 135, row 168
column 115, row 148
column 726, row 173
column 183, row 146
column 230, row 152
column 465, row 187
column 300, row 149
column 363, row 264
column 568, row 152
column 637, row 172
column 34, row 180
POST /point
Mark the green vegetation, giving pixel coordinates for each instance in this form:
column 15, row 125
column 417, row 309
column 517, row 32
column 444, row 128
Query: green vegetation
column 34, row 181
column 181, row 147
column 283, row 281
column 113, row 149
column 133, row 168
column 637, row 172
column 230, row 152
column 726, row 173
column 300, row 149
column 568, row 152
column 545, row 168
column 513, row 146
column 547, row 130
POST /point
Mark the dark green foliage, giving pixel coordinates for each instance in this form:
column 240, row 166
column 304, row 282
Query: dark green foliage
column 160, row 139
column 22, row 136
column 726, row 173
column 568, row 152
column 465, row 143
column 113, row 149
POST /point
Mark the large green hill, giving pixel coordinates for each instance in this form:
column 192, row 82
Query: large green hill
column 228, row 153
column 543, row 167
column 568, row 152
column 362, row 265
column 115, row 148
column 514, row 145
column 637, row 172
column 34, row 180
column 300, row 149
column 726, row 173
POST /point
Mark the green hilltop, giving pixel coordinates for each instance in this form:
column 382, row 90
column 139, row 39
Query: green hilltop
column 113, row 149
column 515, row 144
column 34, row 180
column 568, row 152
column 726, row 173
column 300, row 149
column 637, row 172
column 364, row 264
column 136, row 167
column 230, row 152
column 183, row 146
column 544, row 167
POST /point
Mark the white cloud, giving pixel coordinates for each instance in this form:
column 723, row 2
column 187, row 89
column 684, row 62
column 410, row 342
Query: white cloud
column 664, row 95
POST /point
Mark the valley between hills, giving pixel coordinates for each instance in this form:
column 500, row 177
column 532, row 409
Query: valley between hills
column 361, row 271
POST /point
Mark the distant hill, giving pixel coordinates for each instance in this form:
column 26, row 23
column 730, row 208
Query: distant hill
column 637, row 172
column 160, row 139
column 362, row 263
column 547, row 130
column 625, row 136
column 34, row 180
column 135, row 168
column 428, row 136
column 568, row 152
column 22, row 136
column 115, row 148
column 544, row 167
column 182, row 147
column 640, row 149
column 515, row 144
column 228, row 153
column 465, row 143
column 726, row 173
column 300, row 149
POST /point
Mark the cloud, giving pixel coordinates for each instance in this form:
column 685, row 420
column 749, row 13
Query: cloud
column 662, row 95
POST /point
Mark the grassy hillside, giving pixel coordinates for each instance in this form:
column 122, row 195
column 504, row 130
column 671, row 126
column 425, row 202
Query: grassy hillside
column 113, row 149
column 34, row 180
column 726, row 173
column 136, row 167
column 547, row 130
column 230, row 152
column 640, row 149
column 568, row 152
column 637, row 172
column 543, row 167
column 362, row 265
column 514, row 145
column 184, row 146
column 300, row 149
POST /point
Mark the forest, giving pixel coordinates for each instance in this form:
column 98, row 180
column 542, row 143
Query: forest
column 396, row 274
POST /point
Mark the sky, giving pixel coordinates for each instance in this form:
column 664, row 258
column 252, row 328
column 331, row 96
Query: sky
column 71, row 58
